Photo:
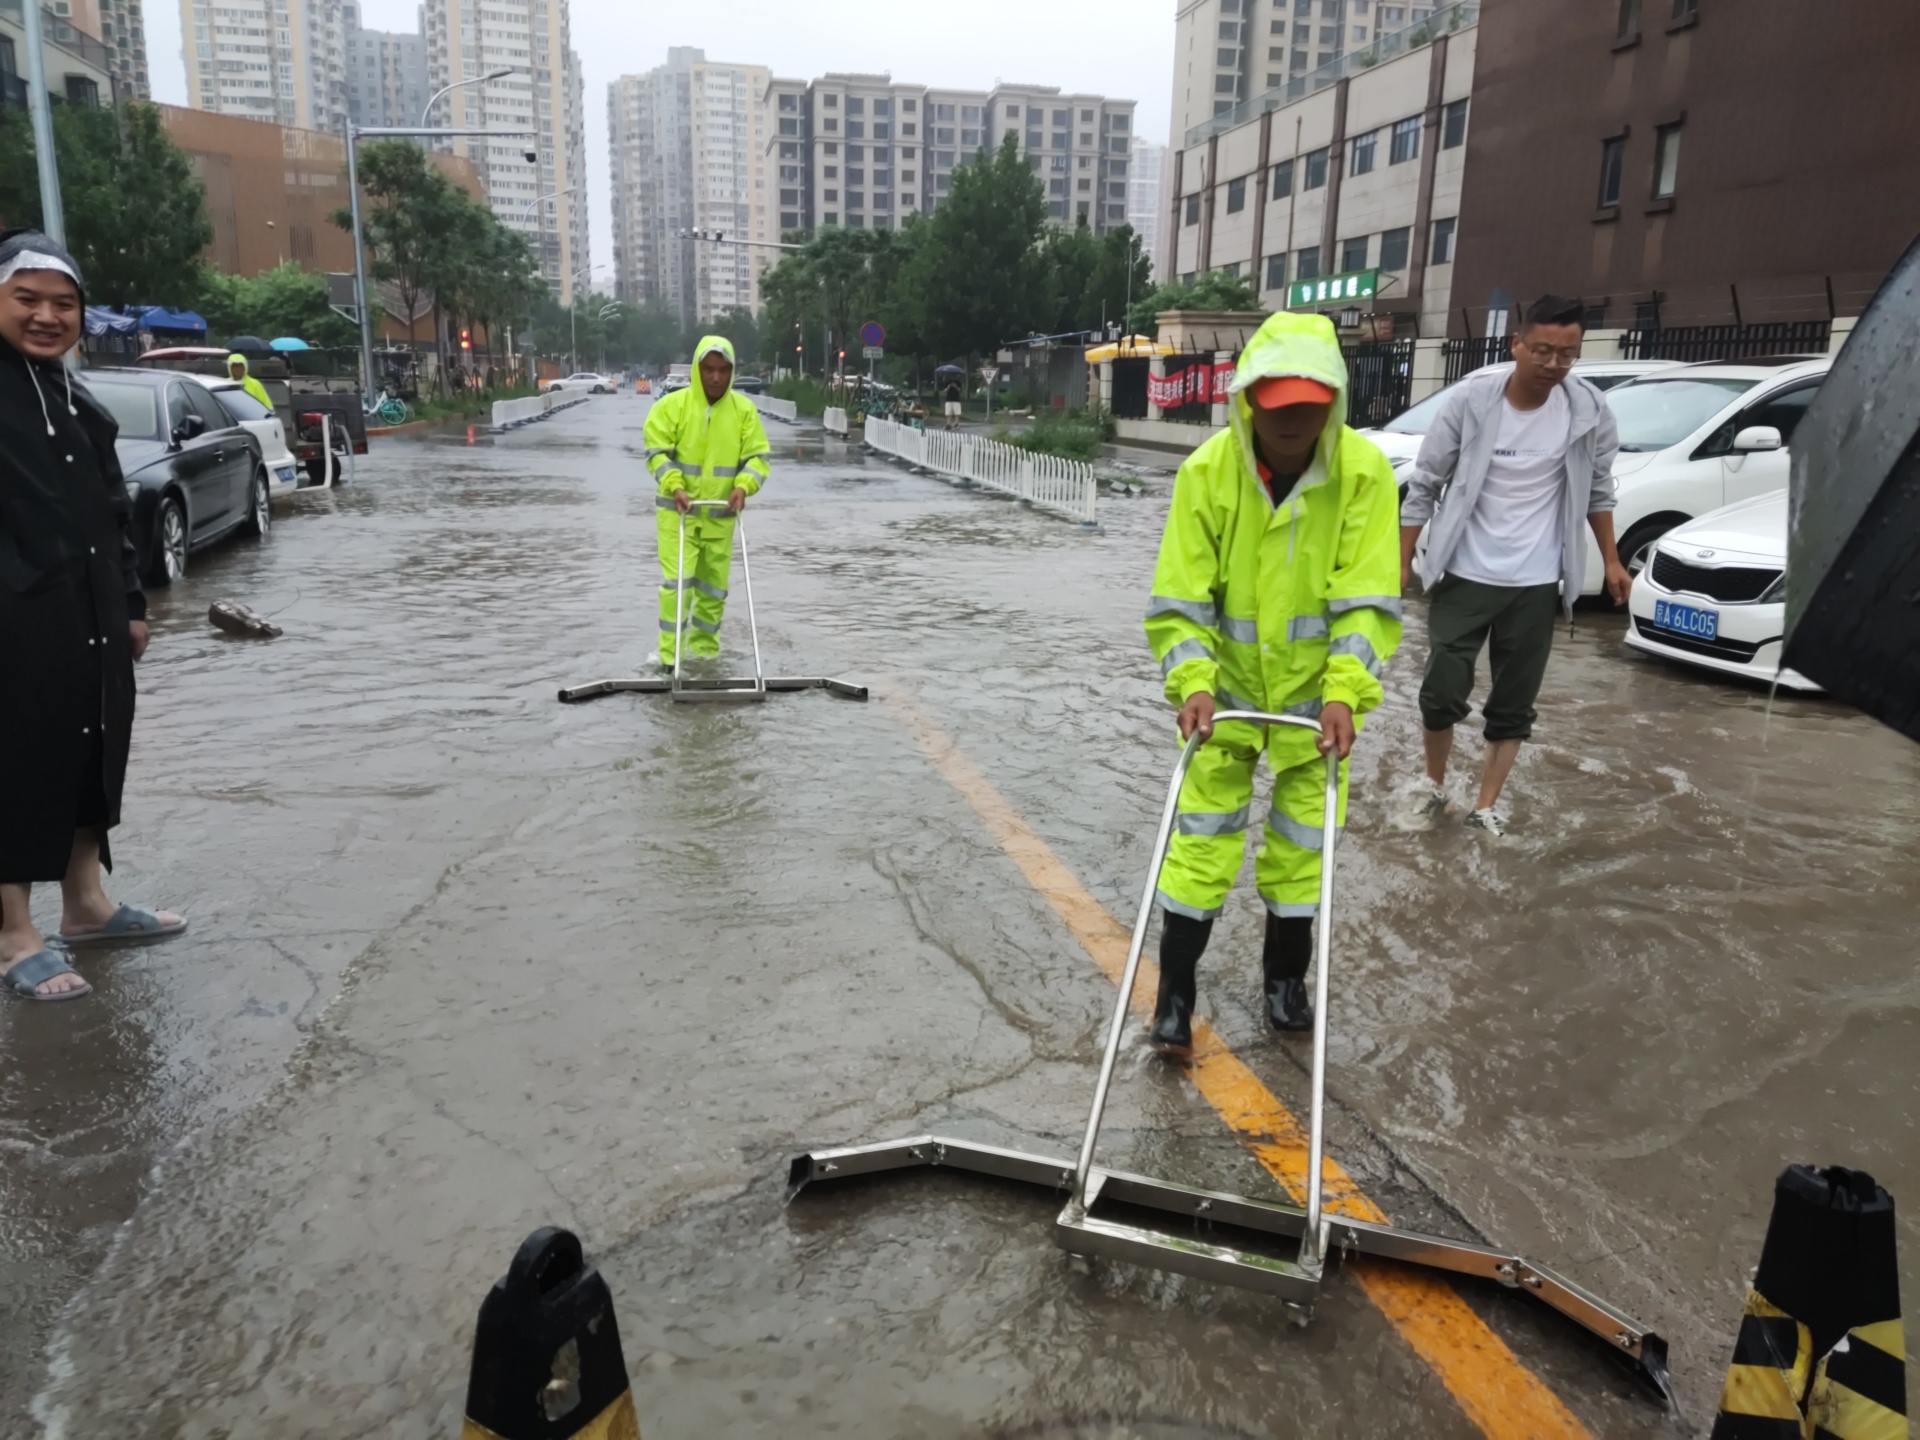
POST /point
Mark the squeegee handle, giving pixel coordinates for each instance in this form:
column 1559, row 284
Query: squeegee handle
column 1117, row 1030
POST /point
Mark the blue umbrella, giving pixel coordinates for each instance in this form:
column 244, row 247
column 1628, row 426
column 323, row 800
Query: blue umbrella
column 289, row 342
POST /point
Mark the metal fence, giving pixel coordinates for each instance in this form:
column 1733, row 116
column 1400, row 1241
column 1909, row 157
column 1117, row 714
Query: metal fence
column 1130, row 388
column 1728, row 342
column 1066, row 487
column 1463, row 357
column 1379, row 380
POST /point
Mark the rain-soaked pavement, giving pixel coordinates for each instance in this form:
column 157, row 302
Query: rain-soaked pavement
column 465, row 961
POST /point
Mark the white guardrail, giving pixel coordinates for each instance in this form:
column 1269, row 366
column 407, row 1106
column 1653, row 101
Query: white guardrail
column 508, row 414
column 834, row 420
column 1067, row 487
column 777, row 409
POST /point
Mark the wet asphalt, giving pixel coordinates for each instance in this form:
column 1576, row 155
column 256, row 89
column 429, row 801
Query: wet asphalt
column 465, row 961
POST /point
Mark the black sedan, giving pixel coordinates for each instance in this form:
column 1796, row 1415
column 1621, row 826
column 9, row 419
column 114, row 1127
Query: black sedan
column 193, row 474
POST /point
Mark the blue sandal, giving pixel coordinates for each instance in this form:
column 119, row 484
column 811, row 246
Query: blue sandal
column 130, row 925
column 28, row 975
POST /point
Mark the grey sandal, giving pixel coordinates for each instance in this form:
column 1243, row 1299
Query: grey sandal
column 28, row 975
column 130, row 925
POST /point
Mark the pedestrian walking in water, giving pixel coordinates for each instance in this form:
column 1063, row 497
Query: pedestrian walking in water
column 72, row 622
column 1514, row 462
column 704, row 442
column 1276, row 590
column 952, row 397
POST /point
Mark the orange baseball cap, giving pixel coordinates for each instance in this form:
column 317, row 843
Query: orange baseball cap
column 1278, row 390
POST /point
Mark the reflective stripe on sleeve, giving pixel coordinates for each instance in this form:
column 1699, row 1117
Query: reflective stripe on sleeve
column 1201, row 612
column 1390, row 604
column 1360, row 648
column 1179, row 655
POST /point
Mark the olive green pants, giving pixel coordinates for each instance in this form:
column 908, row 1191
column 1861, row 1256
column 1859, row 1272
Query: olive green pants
column 1515, row 623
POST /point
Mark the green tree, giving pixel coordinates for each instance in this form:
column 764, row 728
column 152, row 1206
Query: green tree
column 841, row 280
column 1216, row 290
column 136, row 213
column 283, row 301
column 407, row 222
column 975, row 278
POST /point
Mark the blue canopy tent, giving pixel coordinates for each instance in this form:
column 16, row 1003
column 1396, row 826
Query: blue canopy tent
column 174, row 322
column 102, row 321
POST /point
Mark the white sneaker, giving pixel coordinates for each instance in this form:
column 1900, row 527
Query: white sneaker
column 1487, row 820
column 1422, row 806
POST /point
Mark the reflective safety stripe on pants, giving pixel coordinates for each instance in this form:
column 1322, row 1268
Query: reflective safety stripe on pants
column 1217, row 807
column 709, row 564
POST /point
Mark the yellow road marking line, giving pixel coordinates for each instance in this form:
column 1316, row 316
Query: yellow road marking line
column 1490, row 1383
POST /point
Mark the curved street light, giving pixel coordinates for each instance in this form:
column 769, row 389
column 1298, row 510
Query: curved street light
column 426, row 115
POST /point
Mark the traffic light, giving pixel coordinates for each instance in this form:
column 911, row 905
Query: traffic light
column 466, row 339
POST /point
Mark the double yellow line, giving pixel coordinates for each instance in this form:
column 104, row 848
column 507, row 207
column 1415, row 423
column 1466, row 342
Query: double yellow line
column 1497, row 1392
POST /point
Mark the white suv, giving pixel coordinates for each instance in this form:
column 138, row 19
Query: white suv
column 1698, row 437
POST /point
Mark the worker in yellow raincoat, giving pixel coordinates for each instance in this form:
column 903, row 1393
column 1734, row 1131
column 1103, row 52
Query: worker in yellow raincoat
column 237, row 370
column 1277, row 589
column 704, row 442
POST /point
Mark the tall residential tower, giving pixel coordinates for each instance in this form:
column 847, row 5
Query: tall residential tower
column 279, row 60
column 688, row 144
column 545, row 197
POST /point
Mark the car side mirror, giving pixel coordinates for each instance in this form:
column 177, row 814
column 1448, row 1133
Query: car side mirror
column 191, row 427
column 1757, row 437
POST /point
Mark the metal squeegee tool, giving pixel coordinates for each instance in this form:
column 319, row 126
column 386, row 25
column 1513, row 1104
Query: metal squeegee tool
column 737, row 690
column 1261, row 1245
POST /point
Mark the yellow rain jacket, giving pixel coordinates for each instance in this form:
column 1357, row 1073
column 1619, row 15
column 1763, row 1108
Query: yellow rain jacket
column 706, row 450
column 247, row 383
column 709, row 451
column 1286, row 608
column 1278, row 608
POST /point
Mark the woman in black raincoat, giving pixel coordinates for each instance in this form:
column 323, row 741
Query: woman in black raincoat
column 72, row 622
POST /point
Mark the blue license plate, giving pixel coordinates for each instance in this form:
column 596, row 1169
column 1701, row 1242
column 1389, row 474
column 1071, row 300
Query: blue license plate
column 1688, row 620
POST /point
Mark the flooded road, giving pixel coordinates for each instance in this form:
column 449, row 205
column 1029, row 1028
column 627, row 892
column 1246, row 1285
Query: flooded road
column 465, row 961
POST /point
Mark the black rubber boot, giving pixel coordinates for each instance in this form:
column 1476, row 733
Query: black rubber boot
column 1182, row 942
column 1283, row 964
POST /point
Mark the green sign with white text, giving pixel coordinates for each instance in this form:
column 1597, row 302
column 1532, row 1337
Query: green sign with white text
column 1333, row 289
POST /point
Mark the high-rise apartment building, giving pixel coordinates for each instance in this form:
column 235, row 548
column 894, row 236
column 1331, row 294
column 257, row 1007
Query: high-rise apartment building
column 386, row 72
column 280, row 60
column 865, row 152
column 122, row 28
column 545, row 197
column 1227, row 52
column 688, row 144
column 1145, row 197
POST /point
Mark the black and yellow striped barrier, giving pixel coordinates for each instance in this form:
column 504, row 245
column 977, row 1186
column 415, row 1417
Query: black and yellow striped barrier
column 546, row 1354
column 1821, row 1353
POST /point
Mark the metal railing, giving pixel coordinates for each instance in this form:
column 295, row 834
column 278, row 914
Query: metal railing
column 1463, row 357
column 1728, row 342
column 1445, row 20
column 1066, row 487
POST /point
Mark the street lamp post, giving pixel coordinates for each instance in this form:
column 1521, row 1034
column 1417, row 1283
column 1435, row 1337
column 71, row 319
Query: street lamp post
column 426, row 115
column 53, row 220
column 355, row 134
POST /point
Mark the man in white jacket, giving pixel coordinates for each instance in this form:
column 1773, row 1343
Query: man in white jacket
column 1513, row 463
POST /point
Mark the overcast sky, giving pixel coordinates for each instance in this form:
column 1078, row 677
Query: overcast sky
column 1122, row 48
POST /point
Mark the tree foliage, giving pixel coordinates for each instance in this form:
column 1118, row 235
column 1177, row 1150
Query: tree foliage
column 428, row 238
column 982, row 270
column 1216, row 290
column 284, row 301
column 136, row 213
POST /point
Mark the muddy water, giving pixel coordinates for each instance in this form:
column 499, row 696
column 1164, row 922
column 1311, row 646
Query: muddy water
column 466, row 961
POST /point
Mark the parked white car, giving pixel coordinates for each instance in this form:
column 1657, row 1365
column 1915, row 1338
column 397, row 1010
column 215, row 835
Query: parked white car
column 1699, row 437
column 283, row 470
column 1713, row 593
column 1400, row 437
column 586, row 380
